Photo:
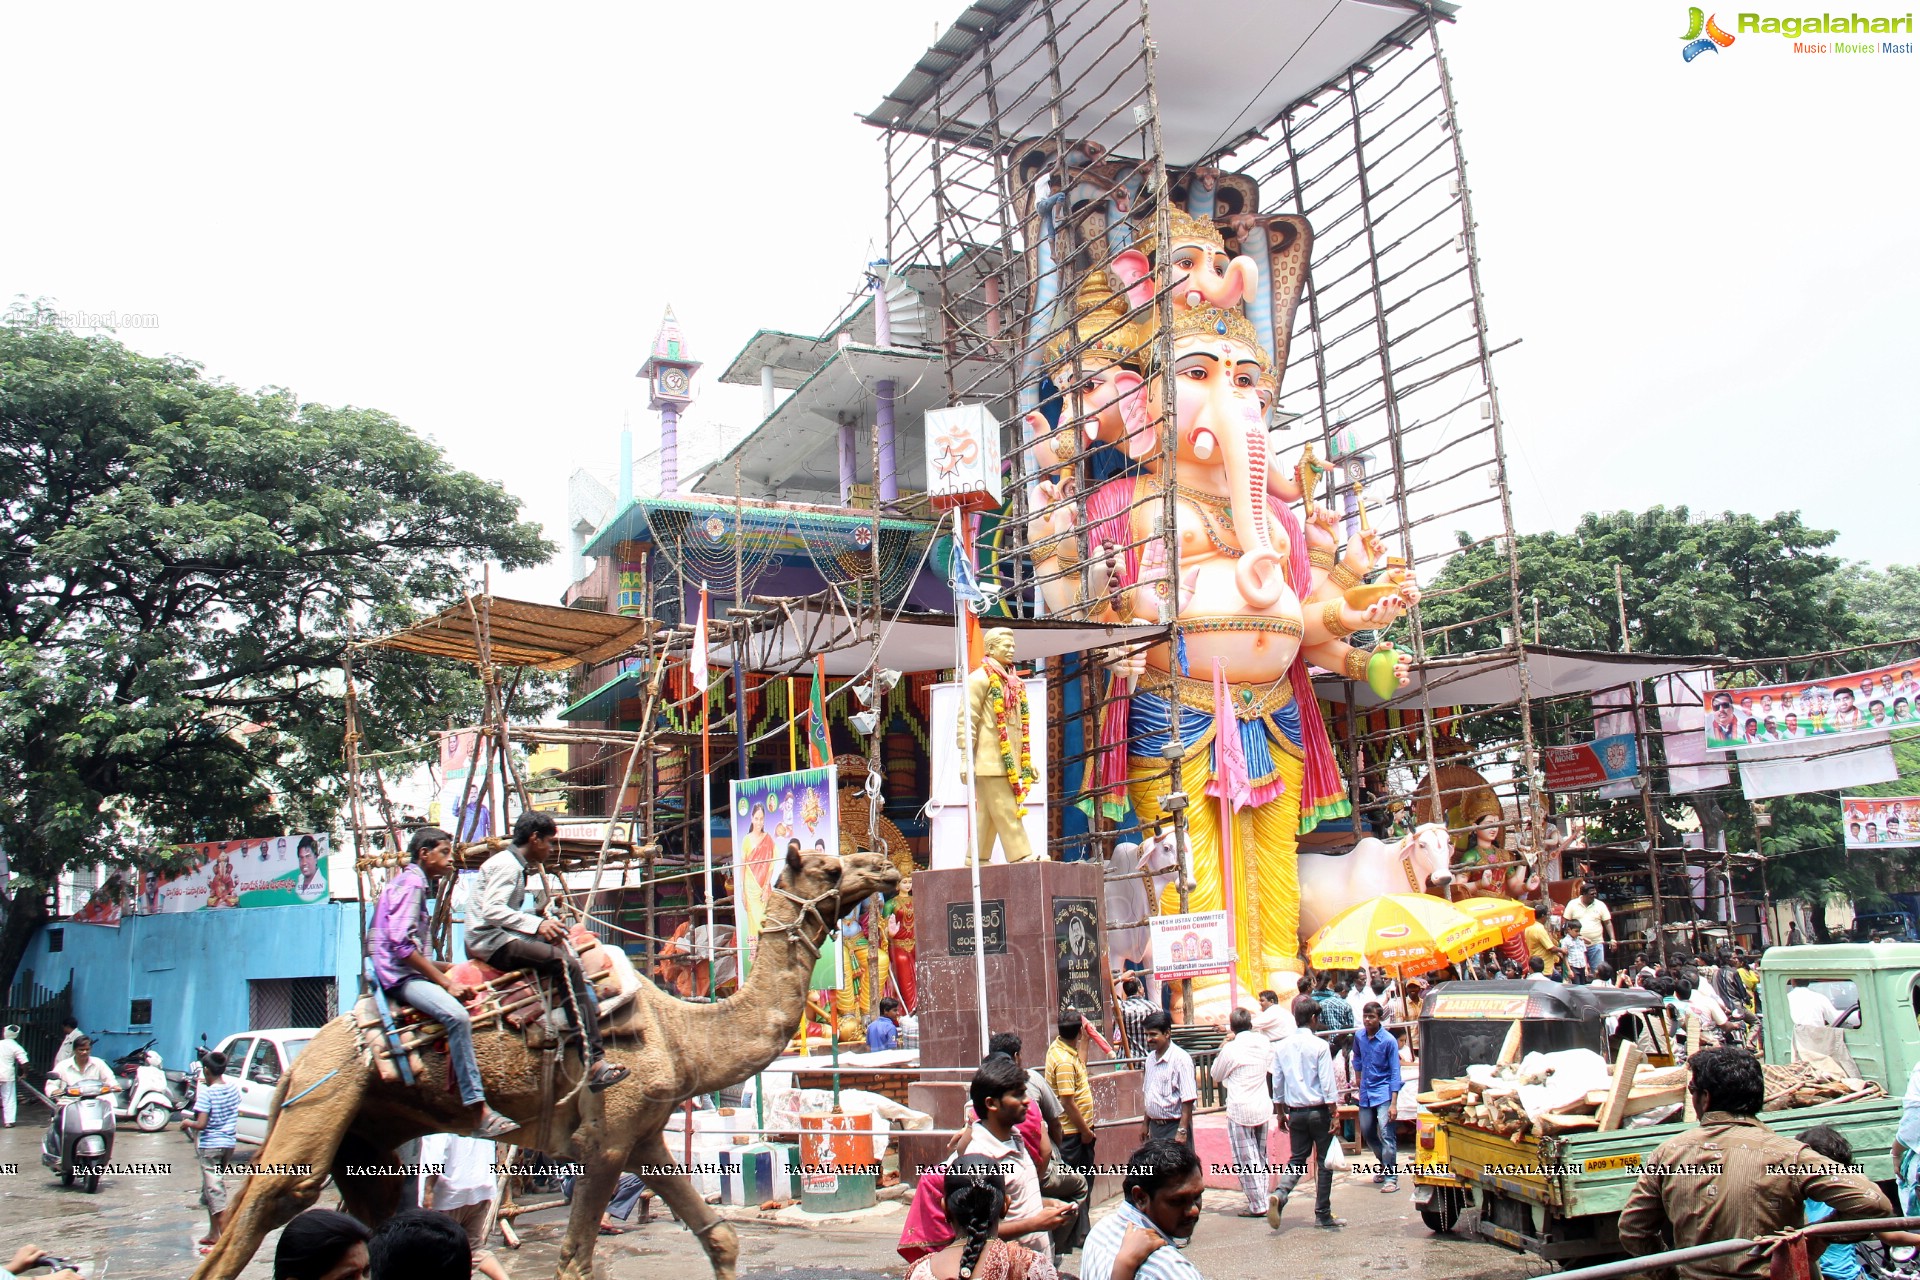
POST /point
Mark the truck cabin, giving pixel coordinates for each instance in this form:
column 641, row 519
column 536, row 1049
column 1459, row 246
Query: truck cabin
column 1462, row 1023
column 1874, row 988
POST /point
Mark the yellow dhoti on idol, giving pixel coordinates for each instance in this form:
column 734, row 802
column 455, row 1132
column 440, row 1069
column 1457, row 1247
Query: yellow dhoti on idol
column 1263, row 870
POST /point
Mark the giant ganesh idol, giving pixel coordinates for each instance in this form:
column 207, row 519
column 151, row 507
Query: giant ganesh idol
column 1261, row 592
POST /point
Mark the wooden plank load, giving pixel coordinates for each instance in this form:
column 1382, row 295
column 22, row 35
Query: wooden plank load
column 1494, row 1105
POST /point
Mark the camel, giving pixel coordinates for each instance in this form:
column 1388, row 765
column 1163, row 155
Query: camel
column 332, row 1111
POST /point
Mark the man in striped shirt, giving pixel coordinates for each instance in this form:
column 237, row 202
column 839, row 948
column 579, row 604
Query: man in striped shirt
column 1144, row 1236
column 216, row 1114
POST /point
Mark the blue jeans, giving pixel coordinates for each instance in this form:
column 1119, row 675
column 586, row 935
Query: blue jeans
column 1377, row 1131
column 431, row 999
column 1596, row 955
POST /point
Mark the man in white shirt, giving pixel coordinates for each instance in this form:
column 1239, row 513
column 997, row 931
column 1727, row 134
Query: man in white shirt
column 1709, row 1008
column 999, row 1095
column 1809, row 1007
column 1275, row 1019
column 1596, row 924
column 1168, row 1084
column 12, row 1060
column 1303, row 1102
column 71, row 1033
column 1244, row 1065
column 462, row 1186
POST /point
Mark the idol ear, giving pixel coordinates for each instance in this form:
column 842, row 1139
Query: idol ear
column 793, row 861
column 1131, row 390
column 1135, row 274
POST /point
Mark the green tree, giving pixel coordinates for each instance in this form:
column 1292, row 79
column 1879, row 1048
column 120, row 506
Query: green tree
column 1889, row 599
column 1736, row 585
column 182, row 564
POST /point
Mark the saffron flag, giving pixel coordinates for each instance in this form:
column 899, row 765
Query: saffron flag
column 819, row 749
column 697, row 660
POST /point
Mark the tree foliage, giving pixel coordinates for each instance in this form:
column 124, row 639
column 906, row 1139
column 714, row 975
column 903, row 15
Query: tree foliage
column 1737, row 586
column 1888, row 599
column 182, row 565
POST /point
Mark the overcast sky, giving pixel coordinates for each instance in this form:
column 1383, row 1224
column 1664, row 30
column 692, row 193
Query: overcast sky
column 471, row 217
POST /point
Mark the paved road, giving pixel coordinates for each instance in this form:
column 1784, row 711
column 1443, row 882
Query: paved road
column 142, row 1227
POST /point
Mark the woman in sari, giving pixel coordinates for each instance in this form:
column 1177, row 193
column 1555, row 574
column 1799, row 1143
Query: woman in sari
column 975, row 1204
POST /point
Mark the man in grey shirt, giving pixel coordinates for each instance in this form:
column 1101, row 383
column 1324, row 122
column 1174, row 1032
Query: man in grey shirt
column 500, row 934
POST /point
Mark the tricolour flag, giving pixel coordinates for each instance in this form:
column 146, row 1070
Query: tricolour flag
column 819, row 749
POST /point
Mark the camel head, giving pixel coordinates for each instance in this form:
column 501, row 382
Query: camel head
column 839, row 882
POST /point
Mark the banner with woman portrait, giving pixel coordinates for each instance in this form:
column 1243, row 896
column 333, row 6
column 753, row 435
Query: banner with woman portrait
column 767, row 817
column 265, row 871
column 1761, row 715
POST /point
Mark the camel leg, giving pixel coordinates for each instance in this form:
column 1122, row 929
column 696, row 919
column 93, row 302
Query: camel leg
column 715, row 1233
column 592, row 1192
column 303, row 1136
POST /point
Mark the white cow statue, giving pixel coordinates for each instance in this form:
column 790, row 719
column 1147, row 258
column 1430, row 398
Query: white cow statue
column 1332, row 882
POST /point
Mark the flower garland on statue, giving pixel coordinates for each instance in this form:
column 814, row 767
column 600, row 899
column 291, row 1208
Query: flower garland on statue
column 1010, row 719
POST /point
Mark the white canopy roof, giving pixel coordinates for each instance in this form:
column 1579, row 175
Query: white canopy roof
column 1220, row 73
column 910, row 642
column 1493, row 677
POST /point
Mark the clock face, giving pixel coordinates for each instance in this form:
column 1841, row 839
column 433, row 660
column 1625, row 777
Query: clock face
column 674, row 382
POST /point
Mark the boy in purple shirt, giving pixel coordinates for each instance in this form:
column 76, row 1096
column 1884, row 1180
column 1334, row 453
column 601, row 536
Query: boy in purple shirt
column 406, row 973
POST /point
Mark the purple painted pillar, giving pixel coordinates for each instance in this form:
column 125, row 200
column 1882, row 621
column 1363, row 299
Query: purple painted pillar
column 886, row 483
column 669, row 450
column 849, row 472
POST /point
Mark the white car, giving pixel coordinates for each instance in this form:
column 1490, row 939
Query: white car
column 255, row 1062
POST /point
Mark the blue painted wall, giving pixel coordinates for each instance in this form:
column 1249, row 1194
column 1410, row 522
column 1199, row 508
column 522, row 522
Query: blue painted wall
column 194, row 966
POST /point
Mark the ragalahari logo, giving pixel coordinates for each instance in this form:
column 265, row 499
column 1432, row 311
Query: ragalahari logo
column 1703, row 35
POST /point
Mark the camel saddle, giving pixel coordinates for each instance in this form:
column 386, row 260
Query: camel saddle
column 521, row 1000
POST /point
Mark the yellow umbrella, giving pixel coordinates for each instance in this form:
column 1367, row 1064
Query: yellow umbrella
column 1414, row 932
column 1498, row 920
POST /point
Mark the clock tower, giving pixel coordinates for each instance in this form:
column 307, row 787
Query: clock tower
column 669, row 373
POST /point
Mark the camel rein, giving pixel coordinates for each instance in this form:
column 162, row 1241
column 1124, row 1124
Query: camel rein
column 808, row 908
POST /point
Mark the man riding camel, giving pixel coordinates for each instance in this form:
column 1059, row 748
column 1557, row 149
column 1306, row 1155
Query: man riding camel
column 406, row 973
column 500, row 934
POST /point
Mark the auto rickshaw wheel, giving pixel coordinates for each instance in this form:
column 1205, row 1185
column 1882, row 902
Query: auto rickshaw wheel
column 1442, row 1211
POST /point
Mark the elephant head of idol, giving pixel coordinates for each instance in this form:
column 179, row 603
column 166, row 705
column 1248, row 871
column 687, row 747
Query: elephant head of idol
column 1221, row 432
column 1095, row 361
column 1200, row 272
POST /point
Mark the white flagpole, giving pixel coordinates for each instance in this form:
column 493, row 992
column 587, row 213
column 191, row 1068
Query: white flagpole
column 699, row 665
column 963, row 546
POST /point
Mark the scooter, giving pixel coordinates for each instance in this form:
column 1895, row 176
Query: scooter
column 80, row 1140
column 146, row 1096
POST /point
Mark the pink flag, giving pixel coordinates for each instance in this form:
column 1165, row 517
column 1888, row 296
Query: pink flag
column 1229, row 757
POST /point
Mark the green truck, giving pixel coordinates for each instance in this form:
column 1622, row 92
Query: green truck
column 1559, row 1197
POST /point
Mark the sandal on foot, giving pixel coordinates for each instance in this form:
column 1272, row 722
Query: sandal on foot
column 605, row 1075
column 494, row 1125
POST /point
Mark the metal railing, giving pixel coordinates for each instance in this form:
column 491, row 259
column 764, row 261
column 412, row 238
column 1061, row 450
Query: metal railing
column 1787, row 1252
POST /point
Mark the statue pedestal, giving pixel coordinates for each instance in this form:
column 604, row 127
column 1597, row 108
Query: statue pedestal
column 1045, row 934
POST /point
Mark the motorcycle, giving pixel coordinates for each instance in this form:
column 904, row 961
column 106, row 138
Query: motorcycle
column 80, row 1139
column 146, row 1095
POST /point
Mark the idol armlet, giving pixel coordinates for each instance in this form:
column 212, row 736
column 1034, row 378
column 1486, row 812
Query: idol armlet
column 1330, row 619
column 1341, row 576
column 1322, row 558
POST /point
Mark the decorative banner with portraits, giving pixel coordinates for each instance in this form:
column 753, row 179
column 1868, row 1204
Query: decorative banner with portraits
column 1193, row 945
column 1880, row 822
column 1870, row 702
column 273, row 871
column 767, row 815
